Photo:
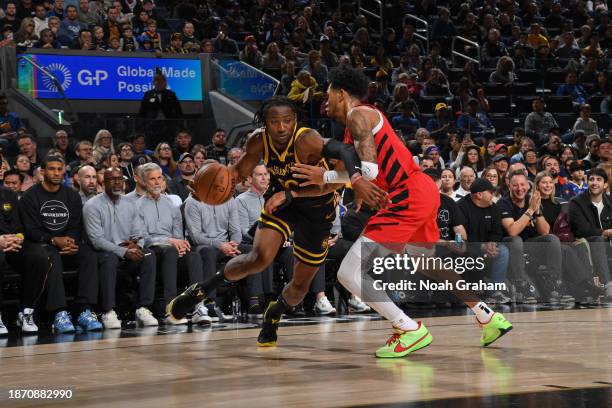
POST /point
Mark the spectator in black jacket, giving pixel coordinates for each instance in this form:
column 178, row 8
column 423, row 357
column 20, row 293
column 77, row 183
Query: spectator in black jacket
column 51, row 215
column 26, row 258
column 217, row 149
column 179, row 185
column 484, row 232
column 160, row 102
column 591, row 218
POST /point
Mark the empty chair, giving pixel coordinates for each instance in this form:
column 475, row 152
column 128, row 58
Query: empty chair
column 499, row 104
column 559, row 104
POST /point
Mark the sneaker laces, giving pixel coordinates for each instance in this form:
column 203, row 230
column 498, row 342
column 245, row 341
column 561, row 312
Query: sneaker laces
column 394, row 338
column 27, row 319
column 89, row 316
column 63, row 318
column 145, row 311
column 324, row 301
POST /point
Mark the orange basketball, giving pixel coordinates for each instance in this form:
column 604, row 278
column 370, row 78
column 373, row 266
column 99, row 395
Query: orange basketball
column 213, row 184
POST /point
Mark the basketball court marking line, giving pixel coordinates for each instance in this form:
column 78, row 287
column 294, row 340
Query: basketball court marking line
column 598, row 322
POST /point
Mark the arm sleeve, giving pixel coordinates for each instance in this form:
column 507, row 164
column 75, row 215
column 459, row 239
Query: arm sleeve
column 92, row 217
column 334, row 149
column 235, row 232
column 32, row 225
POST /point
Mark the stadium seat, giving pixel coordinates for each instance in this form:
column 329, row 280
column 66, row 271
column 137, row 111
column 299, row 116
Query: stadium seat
column 559, row 104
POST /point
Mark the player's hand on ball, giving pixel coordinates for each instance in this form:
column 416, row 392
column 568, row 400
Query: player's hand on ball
column 370, row 194
column 312, row 175
column 275, row 202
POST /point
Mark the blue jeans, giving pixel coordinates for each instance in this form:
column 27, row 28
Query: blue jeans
column 499, row 264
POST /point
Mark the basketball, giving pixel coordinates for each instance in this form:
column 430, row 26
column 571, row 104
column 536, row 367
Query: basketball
column 213, row 184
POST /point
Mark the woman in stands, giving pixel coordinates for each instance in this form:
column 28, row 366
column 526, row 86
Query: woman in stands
column 273, row 59
column 25, row 37
column 23, row 164
column 163, row 156
column 577, row 273
column 469, row 156
column 199, row 155
column 504, row 73
column 400, row 95
column 102, row 145
column 494, row 178
column 448, row 182
column 47, row 40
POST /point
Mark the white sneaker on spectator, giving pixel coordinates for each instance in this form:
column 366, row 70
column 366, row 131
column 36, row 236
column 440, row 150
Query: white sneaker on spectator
column 323, row 307
column 3, row 329
column 145, row 318
column 110, row 320
column 216, row 314
column 25, row 320
column 358, row 306
column 200, row 315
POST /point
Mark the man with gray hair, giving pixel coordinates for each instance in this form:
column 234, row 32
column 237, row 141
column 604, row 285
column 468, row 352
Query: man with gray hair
column 88, row 183
column 115, row 230
column 163, row 226
column 467, row 175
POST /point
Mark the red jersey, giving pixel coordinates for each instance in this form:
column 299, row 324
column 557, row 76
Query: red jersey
column 395, row 162
column 412, row 213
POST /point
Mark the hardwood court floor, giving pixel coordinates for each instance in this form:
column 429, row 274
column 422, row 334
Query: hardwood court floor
column 320, row 365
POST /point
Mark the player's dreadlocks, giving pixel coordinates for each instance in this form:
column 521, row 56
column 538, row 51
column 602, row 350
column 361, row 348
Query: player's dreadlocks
column 260, row 116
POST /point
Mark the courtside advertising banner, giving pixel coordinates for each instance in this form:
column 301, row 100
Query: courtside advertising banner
column 109, row 78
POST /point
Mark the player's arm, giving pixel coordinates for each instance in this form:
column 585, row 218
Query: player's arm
column 312, row 147
column 309, row 148
column 250, row 159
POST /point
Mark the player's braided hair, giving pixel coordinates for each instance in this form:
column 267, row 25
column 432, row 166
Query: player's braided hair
column 260, row 116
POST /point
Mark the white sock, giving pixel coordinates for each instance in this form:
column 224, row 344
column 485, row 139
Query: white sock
column 27, row 311
column 405, row 323
column 483, row 312
column 349, row 275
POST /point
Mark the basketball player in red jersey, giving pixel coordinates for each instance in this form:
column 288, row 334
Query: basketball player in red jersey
column 410, row 216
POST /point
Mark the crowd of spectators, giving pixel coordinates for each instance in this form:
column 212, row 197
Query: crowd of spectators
column 542, row 182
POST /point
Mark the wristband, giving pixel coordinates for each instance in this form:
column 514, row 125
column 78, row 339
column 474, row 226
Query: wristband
column 369, row 170
column 333, row 176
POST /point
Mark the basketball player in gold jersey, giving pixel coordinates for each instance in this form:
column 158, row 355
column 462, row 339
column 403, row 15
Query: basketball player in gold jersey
column 305, row 212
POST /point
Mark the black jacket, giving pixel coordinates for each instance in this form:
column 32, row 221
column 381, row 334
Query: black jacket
column 169, row 105
column 584, row 219
column 178, row 186
column 9, row 216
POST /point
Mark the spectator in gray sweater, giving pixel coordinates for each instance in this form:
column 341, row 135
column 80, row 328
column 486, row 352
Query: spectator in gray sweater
column 216, row 232
column 163, row 231
column 251, row 201
column 116, row 232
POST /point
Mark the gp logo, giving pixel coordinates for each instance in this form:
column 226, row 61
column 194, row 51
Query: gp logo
column 88, row 78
